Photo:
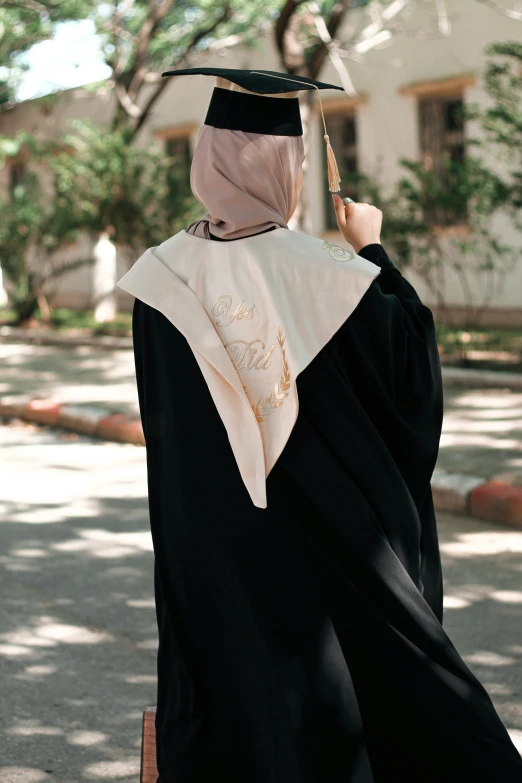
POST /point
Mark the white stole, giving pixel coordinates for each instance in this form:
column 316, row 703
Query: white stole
column 255, row 312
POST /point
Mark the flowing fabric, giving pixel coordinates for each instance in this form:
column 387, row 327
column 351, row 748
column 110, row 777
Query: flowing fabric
column 303, row 643
column 246, row 181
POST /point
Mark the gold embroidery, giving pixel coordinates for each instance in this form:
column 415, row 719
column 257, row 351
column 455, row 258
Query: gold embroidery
column 275, row 398
column 245, row 356
column 338, row 253
column 221, row 307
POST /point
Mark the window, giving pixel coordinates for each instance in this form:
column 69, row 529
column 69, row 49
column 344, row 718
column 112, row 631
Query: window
column 442, row 131
column 442, row 140
column 343, row 138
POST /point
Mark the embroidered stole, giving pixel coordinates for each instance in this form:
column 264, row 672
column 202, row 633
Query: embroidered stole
column 255, row 312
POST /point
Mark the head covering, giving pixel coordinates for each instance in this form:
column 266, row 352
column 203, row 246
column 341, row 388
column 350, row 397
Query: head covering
column 243, row 100
column 246, row 181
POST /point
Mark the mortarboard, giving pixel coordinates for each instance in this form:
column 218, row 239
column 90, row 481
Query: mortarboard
column 266, row 102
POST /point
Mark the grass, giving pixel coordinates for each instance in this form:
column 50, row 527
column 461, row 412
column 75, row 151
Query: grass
column 78, row 322
column 66, row 320
column 485, row 348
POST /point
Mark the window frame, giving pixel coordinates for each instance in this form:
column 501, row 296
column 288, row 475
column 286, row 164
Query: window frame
column 441, row 91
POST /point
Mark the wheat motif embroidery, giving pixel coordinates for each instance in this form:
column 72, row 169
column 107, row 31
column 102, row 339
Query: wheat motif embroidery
column 338, row 253
column 267, row 405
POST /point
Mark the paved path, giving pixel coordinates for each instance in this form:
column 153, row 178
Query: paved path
column 82, row 375
column 77, row 624
column 482, row 434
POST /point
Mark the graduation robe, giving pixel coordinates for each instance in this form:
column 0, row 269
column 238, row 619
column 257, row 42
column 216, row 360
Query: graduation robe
column 303, row 642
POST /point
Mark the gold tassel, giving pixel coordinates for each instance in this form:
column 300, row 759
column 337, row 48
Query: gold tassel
column 334, row 178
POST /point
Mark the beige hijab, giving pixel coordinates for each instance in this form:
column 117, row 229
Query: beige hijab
column 246, row 181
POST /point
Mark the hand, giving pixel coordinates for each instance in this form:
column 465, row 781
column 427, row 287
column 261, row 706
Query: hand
column 360, row 224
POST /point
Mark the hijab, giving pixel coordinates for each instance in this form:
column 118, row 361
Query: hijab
column 246, row 181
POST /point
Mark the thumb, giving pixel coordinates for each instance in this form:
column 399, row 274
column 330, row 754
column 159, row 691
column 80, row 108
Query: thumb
column 339, row 210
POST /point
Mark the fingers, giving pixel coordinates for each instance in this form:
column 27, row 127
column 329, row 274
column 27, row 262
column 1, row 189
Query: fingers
column 359, row 223
column 340, row 210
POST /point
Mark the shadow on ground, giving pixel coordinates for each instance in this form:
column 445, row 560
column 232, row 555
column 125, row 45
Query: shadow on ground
column 82, row 375
column 482, row 432
column 78, row 632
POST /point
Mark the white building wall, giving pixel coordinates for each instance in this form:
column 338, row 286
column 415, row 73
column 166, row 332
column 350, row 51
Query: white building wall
column 387, row 123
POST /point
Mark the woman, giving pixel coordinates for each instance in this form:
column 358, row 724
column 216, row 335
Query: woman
column 297, row 571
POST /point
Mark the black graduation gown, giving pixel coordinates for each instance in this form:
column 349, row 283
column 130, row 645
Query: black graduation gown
column 302, row 643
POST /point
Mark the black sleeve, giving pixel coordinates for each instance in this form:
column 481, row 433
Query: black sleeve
column 390, row 279
column 389, row 348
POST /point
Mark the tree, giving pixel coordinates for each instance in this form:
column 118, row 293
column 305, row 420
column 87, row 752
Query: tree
column 144, row 37
column 472, row 191
column 117, row 188
column 31, row 231
column 501, row 121
column 24, row 23
column 441, row 220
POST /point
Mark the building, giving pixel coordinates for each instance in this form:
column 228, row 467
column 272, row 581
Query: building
column 409, row 90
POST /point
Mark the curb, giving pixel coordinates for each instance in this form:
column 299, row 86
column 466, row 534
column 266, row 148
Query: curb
column 14, row 334
column 84, row 420
column 483, row 379
column 492, row 500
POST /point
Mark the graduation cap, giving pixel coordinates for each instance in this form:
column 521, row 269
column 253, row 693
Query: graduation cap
column 262, row 102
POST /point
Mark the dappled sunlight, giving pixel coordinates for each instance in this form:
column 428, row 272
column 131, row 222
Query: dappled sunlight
column 102, row 543
column 141, row 679
column 44, row 515
column 47, row 631
column 465, row 595
column 113, row 770
column 482, row 566
column 22, row 775
column 482, row 431
column 79, row 637
column 484, row 543
column 480, row 423
column 79, row 629
column 70, row 634
column 497, row 688
column 75, row 375
column 86, row 738
column 489, row 658
column 142, row 604
column 485, row 399
column 148, row 644
column 33, row 731
column 486, row 441
column 507, row 596
column 40, row 670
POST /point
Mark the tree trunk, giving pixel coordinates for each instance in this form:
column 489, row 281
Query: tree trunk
column 24, row 309
column 105, row 279
column 3, row 293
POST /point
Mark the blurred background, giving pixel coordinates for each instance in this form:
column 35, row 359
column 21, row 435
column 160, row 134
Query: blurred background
column 95, row 147
column 95, row 154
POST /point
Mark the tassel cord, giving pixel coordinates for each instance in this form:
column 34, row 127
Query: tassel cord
column 334, row 178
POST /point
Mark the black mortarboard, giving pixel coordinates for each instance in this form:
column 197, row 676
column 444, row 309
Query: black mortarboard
column 256, row 111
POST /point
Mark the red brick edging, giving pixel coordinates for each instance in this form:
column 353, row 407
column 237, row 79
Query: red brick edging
column 494, row 501
column 95, row 422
